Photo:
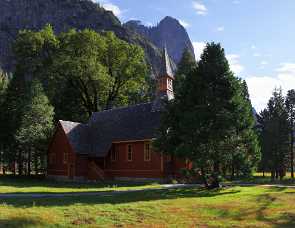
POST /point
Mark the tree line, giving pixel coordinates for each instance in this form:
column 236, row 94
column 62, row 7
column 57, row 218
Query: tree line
column 67, row 76
column 276, row 127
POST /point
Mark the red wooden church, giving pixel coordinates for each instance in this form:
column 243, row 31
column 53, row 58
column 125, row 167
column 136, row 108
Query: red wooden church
column 115, row 144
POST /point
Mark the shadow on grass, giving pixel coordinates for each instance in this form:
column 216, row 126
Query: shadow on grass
column 264, row 211
column 121, row 198
column 28, row 182
column 20, row 222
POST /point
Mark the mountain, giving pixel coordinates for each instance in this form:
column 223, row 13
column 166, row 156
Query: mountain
column 17, row 15
column 169, row 32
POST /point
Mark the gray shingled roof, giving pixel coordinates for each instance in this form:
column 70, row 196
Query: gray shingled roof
column 78, row 136
column 138, row 122
column 167, row 65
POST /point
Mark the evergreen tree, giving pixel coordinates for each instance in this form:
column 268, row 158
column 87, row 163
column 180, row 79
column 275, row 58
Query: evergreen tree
column 35, row 127
column 10, row 122
column 246, row 150
column 275, row 135
column 202, row 123
column 290, row 105
column 186, row 65
column 3, row 87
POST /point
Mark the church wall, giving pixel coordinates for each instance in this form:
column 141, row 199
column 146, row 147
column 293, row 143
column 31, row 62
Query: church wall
column 62, row 161
column 138, row 167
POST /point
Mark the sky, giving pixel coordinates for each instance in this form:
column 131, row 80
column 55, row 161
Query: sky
column 258, row 35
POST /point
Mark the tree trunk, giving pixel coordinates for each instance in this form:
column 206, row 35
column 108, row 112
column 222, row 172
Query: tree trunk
column 29, row 161
column 20, row 163
column 232, row 171
column 215, row 177
column 272, row 175
column 36, row 163
column 204, row 178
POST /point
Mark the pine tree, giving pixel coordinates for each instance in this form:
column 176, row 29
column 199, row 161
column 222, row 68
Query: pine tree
column 186, row 65
column 201, row 124
column 10, row 121
column 36, row 127
column 275, row 135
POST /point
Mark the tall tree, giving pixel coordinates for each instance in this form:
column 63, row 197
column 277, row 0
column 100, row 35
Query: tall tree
column 3, row 86
column 94, row 71
column 186, row 65
column 275, row 134
column 10, row 120
column 35, row 127
column 290, row 105
column 245, row 150
column 201, row 121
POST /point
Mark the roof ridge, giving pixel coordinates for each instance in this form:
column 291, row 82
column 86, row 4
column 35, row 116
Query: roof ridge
column 123, row 107
column 68, row 121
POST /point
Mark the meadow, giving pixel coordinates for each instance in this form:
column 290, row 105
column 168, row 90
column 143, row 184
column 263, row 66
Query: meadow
column 254, row 206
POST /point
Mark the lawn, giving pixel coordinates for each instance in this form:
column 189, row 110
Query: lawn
column 10, row 184
column 194, row 207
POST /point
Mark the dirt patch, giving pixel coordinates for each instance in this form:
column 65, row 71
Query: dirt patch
column 83, row 221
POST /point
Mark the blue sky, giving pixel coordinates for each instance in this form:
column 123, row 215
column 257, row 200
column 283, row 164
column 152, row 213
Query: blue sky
column 258, row 35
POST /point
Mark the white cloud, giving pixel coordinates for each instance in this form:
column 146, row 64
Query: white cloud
column 199, row 48
column 261, row 88
column 110, row 7
column 253, row 47
column 263, row 63
column 286, row 68
column 184, row 23
column 234, row 62
column 149, row 24
column 200, row 8
column 220, row 29
column 114, row 8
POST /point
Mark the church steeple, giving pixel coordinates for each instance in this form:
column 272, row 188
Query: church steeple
column 166, row 77
column 165, row 80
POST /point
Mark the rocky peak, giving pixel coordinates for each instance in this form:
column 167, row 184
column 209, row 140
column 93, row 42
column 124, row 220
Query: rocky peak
column 169, row 32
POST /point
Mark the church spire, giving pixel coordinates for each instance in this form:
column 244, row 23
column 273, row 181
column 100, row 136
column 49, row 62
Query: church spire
column 165, row 80
column 166, row 77
column 166, row 68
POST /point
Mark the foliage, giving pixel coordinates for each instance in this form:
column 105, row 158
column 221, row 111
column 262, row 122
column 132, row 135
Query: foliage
column 184, row 67
column 275, row 135
column 83, row 71
column 210, row 121
column 36, row 127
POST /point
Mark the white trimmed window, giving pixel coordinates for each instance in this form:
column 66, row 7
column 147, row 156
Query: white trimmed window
column 129, row 152
column 66, row 157
column 114, row 154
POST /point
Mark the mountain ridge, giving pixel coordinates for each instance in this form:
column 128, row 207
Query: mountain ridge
column 63, row 15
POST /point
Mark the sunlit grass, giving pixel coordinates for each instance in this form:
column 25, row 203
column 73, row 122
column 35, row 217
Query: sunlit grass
column 195, row 207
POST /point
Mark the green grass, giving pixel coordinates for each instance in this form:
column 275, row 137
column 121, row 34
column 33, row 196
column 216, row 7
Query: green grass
column 194, row 207
column 257, row 178
column 10, row 184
